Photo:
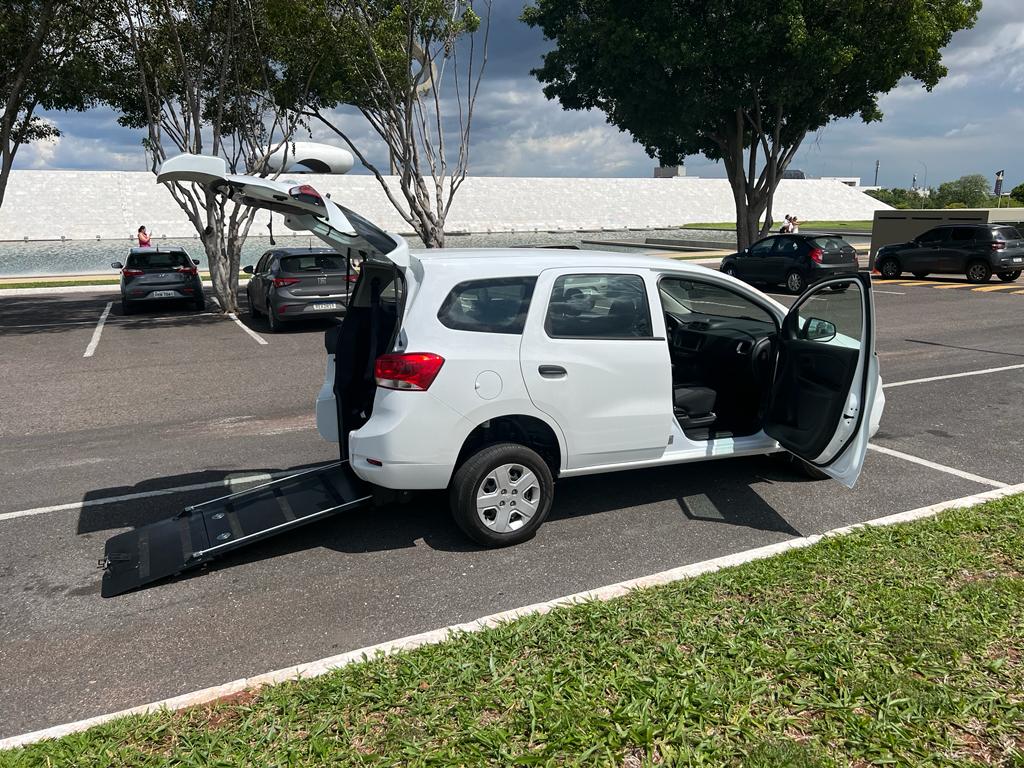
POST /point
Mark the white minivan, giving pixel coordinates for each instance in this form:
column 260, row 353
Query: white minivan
column 493, row 372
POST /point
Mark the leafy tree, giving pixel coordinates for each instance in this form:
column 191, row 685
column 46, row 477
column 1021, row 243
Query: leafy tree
column 904, row 198
column 50, row 58
column 1017, row 193
column 413, row 69
column 741, row 81
column 971, row 191
column 200, row 77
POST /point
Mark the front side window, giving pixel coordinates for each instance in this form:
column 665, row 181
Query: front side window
column 682, row 296
column 762, row 248
column 488, row 306
column 598, row 307
column 933, row 236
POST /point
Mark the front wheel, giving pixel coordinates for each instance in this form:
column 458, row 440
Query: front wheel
column 1009, row 277
column 501, row 494
column 978, row 272
column 890, row 269
column 795, row 282
column 729, row 269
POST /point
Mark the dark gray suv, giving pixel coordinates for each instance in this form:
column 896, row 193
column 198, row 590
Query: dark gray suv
column 299, row 284
column 159, row 274
column 974, row 250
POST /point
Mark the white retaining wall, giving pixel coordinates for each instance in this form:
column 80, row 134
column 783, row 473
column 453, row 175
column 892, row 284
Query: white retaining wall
column 46, row 205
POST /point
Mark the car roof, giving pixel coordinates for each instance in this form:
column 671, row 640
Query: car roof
column 142, row 251
column 533, row 260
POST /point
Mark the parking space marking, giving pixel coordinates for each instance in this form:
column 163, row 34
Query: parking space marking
column 247, row 329
column 324, row 666
column 925, row 380
column 95, row 340
column 261, row 477
column 1004, row 287
column 940, row 467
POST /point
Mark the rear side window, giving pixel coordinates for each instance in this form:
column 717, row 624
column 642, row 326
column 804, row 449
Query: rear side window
column 159, row 260
column 488, row 306
column 962, row 234
column 598, row 307
column 1006, row 233
column 313, row 262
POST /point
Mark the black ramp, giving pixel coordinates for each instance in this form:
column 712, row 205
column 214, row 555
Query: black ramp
column 201, row 533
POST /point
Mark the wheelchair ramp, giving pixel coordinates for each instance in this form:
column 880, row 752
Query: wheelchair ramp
column 202, row 532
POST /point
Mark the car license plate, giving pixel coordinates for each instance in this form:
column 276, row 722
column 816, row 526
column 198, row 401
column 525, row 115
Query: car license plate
column 326, row 305
column 1018, row 259
column 163, row 294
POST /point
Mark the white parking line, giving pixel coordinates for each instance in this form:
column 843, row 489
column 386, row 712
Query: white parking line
column 261, row 477
column 91, row 349
column 939, row 467
column 981, row 372
column 435, row 636
column 247, row 329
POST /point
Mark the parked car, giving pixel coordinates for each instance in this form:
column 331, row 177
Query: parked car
column 491, row 373
column 159, row 274
column 974, row 250
column 299, row 284
column 795, row 261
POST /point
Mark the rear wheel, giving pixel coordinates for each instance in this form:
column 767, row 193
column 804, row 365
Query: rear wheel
column 272, row 322
column 795, row 282
column 1009, row 277
column 501, row 494
column 126, row 307
column 921, row 275
column 199, row 303
column 253, row 312
column 978, row 272
column 890, row 269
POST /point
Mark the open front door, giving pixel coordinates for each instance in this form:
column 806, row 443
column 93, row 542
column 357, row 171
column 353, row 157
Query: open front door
column 826, row 377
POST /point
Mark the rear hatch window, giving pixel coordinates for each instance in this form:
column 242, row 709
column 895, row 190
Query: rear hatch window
column 159, row 260
column 314, row 262
column 835, row 250
column 1006, row 233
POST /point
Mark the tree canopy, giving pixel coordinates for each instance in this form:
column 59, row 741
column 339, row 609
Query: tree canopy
column 735, row 79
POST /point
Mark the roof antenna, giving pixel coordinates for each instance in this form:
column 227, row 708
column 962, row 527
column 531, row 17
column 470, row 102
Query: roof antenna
column 270, row 226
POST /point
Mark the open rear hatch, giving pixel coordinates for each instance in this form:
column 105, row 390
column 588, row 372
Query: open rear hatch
column 202, row 532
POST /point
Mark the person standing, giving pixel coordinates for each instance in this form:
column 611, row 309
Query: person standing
column 786, row 228
column 143, row 238
column 794, row 225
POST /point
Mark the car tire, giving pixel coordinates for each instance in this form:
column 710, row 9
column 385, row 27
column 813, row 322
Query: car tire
column 810, row 471
column 978, row 272
column 795, row 282
column 273, row 324
column 126, row 307
column 890, row 269
column 482, row 475
column 839, row 288
column 921, row 275
column 1009, row 277
column 199, row 304
column 729, row 269
column 253, row 312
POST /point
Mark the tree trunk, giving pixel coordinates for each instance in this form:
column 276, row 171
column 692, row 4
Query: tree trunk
column 5, row 173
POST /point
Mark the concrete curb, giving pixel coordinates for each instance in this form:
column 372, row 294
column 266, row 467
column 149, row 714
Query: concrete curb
column 323, row 666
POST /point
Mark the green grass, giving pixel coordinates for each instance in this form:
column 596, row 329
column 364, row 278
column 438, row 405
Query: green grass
column 839, row 226
column 890, row 646
column 83, row 282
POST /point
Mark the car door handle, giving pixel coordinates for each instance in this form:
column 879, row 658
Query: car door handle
column 552, row 371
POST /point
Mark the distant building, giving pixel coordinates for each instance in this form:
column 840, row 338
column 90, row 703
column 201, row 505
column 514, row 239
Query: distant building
column 793, row 173
column 669, row 171
column 850, row 181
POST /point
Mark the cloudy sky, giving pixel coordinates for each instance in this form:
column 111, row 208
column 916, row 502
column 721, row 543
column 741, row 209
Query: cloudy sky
column 971, row 123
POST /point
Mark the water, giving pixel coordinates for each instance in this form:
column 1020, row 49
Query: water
column 94, row 257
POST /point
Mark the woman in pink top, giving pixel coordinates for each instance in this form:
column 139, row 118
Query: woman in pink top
column 143, row 238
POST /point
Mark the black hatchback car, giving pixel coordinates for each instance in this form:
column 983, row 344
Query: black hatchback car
column 299, row 284
column 159, row 274
column 795, row 261
column 974, row 250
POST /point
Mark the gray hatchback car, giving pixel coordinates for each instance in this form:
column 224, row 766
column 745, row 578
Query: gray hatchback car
column 299, row 284
column 159, row 274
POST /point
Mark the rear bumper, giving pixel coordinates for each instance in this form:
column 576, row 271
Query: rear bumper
column 305, row 308
column 1007, row 262
column 155, row 294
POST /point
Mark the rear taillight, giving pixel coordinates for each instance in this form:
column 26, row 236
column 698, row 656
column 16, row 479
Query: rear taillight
column 132, row 272
column 281, row 282
column 306, row 194
column 998, row 245
column 188, row 271
column 411, row 370
column 351, row 278
column 816, row 254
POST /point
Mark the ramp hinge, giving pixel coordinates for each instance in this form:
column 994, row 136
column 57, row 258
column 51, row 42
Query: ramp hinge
column 113, row 557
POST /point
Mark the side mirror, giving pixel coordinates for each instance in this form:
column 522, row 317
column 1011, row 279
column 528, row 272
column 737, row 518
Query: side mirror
column 117, row 265
column 248, row 270
column 819, row 330
column 196, row 262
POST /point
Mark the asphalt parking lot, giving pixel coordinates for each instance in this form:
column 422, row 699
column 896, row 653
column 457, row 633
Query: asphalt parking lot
column 172, row 399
